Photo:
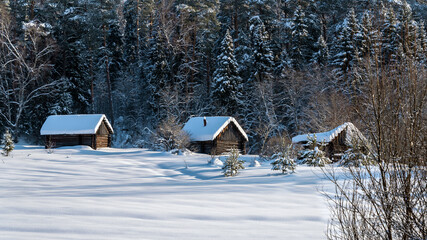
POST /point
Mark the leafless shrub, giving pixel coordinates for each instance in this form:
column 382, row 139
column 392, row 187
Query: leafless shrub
column 386, row 201
column 169, row 135
column 50, row 145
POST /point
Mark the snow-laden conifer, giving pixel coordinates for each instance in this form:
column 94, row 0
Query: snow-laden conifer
column 262, row 56
column 346, row 52
column 321, row 56
column 7, row 143
column 226, row 81
column 390, row 36
column 367, row 36
column 299, row 52
column 283, row 161
column 233, row 165
column 313, row 156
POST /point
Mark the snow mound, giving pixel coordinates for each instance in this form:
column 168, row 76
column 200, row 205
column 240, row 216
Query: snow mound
column 216, row 162
column 255, row 163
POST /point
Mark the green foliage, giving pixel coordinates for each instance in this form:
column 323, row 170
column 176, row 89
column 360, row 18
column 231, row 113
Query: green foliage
column 7, row 143
column 283, row 161
column 232, row 165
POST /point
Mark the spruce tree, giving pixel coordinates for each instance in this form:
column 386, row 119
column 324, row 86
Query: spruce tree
column 321, row 56
column 262, row 57
column 299, row 52
column 346, row 51
column 367, row 36
column 390, row 36
column 157, row 74
column 344, row 54
column 226, row 80
column 233, row 165
column 7, row 143
column 131, row 37
column 313, row 156
column 283, row 161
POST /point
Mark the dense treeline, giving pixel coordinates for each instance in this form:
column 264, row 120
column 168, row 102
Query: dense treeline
column 279, row 67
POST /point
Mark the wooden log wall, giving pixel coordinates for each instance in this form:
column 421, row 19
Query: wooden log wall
column 230, row 138
column 68, row 140
column 102, row 141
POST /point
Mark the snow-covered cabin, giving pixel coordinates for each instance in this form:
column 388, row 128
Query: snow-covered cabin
column 92, row 130
column 337, row 140
column 215, row 135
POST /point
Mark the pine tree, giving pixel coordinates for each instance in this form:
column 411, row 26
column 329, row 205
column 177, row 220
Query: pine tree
column 157, row 71
column 353, row 26
column 131, row 40
column 356, row 156
column 408, row 31
column 75, row 63
column 283, row 161
column 321, row 56
column 343, row 60
column 235, row 14
column 299, row 52
column 346, row 48
column 262, row 58
column 226, row 80
column 313, row 156
column 390, row 36
column 367, row 36
column 233, row 165
column 7, row 142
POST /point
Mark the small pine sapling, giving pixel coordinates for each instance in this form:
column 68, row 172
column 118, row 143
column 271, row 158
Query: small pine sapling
column 314, row 156
column 7, row 142
column 356, row 156
column 232, row 165
column 283, row 160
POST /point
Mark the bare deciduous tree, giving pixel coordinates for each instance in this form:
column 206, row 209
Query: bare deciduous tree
column 387, row 200
column 24, row 66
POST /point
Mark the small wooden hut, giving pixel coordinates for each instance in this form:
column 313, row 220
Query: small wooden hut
column 336, row 141
column 92, row 130
column 215, row 135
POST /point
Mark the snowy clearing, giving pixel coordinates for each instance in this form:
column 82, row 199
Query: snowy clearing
column 80, row 193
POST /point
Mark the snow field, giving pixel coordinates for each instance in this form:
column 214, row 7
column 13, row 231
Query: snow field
column 79, row 193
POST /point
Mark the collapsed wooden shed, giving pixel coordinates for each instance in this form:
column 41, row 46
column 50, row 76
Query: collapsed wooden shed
column 336, row 141
column 92, row 130
column 215, row 135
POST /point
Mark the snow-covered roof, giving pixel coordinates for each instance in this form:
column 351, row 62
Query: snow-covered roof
column 352, row 133
column 214, row 126
column 74, row 124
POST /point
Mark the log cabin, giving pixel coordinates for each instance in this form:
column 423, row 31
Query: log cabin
column 215, row 135
column 336, row 141
column 92, row 130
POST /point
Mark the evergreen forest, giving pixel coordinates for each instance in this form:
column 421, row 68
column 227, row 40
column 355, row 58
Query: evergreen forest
column 280, row 67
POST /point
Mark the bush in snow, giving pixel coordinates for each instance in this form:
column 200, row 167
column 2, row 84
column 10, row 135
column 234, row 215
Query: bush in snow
column 313, row 156
column 283, row 161
column 356, row 156
column 232, row 165
column 7, row 142
column 169, row 135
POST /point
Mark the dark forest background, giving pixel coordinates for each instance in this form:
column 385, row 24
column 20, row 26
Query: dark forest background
column 280, row 67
